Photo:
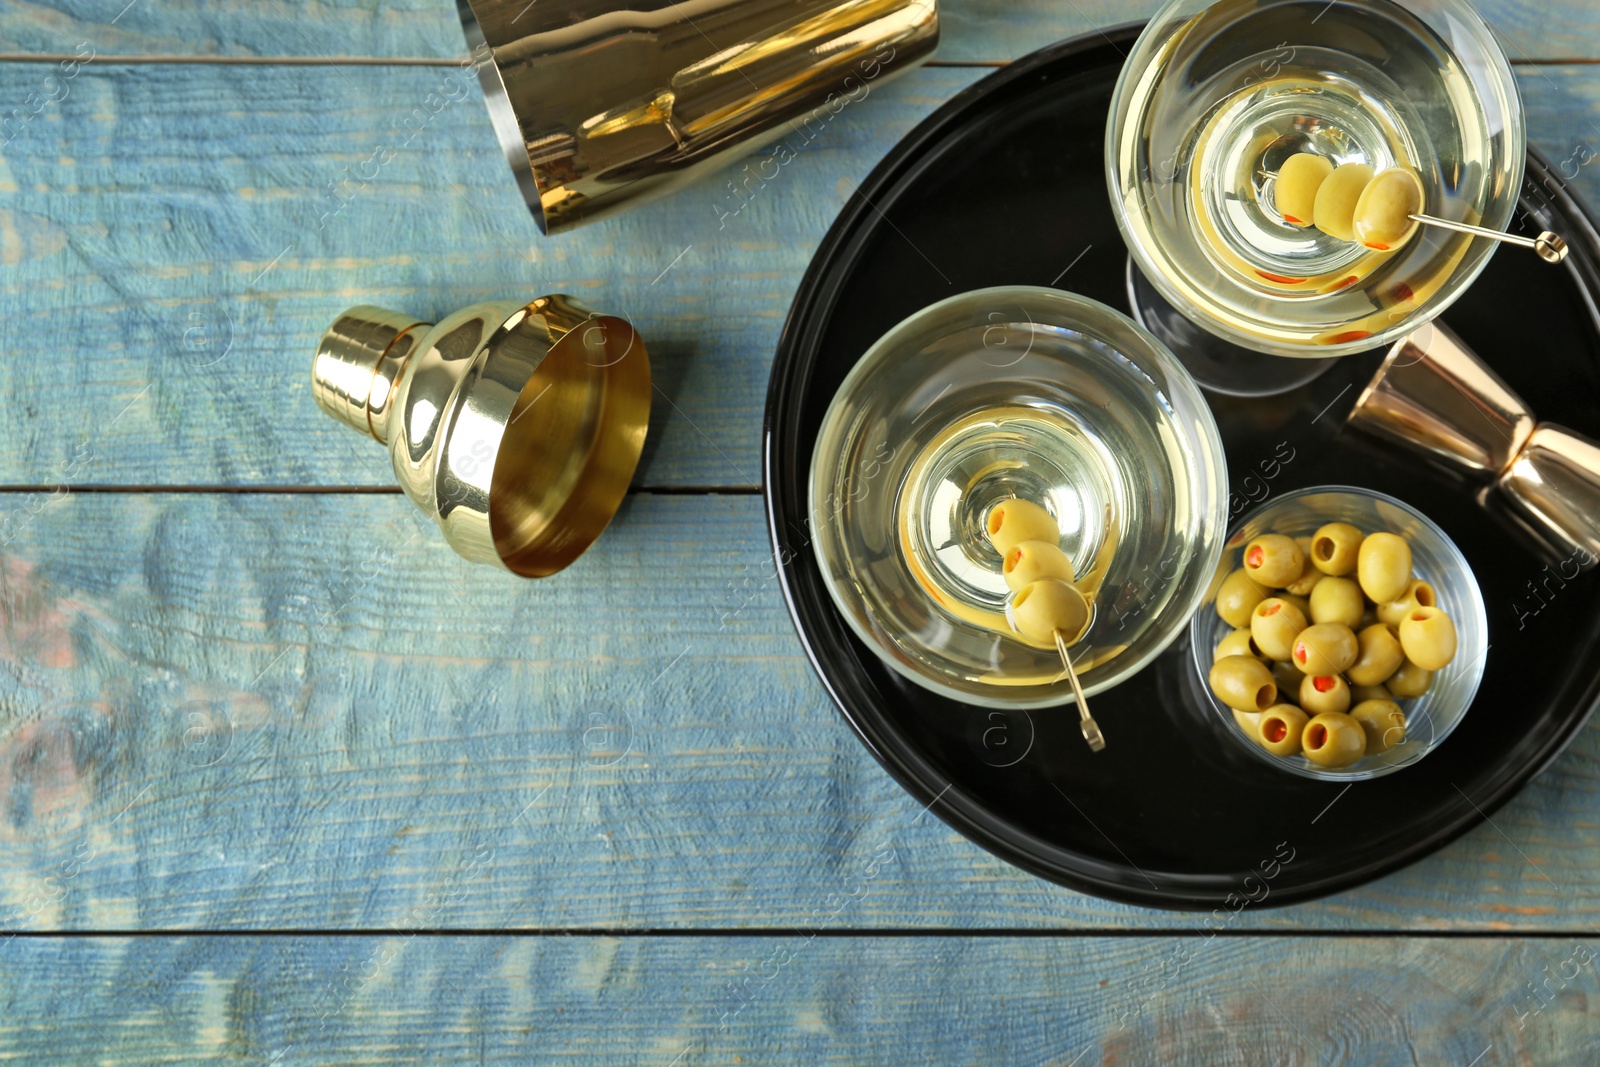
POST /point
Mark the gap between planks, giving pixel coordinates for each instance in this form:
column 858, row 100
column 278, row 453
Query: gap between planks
column 339, row 490
column 832, row 934
column 424, row 61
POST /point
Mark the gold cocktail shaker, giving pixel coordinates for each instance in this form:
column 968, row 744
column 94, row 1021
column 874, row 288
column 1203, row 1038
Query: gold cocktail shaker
column 601, row 103
column 515, row 427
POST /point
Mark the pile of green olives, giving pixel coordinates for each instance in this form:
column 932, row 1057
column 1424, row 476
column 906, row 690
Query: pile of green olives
column 1329, row 633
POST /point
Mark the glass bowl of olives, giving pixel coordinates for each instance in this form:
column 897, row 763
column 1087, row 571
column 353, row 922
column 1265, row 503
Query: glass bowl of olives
column 1343, row 636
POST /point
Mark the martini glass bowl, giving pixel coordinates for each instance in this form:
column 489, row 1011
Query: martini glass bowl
column 1024, row 392
column 1215, row 96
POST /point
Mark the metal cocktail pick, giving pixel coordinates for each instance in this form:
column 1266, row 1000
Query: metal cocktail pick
column 1551, row 247
column 1091, row 729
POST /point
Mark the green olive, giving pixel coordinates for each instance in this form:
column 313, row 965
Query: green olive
column 1237, row 598
column 1337, row 600
column 1417, row 594
column 1335, row 207
column 1294, row 194
column 1011, row 522
column 1300, row 602
column 1248, row 721
column 1238, row 643
column 1384, row 723
column 1428, row 637
column 1309, row 575
column 1334, row 739
column 1273, row 560
column 1279, row 729
column 1326, row 648
column 1274, row 624
column 1408, row 680
column 1378, row 655
column 1244, row 683
column 1029, row 561
column 1383, row 566
column 1288, row 677
column 1323, row 692
column 1383, row 212
column 1360, row 694
column 1334, row 548
column 1047, row 606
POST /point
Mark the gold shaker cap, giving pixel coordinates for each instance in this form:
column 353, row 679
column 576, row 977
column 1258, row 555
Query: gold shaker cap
column 517, row 428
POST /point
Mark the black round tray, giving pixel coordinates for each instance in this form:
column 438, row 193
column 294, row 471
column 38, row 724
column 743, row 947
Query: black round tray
column 1005, row 185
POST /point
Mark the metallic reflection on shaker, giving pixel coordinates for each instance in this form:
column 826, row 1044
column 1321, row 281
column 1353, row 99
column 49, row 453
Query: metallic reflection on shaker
column 1434, row 396
column 601, row 103
column 516, row 427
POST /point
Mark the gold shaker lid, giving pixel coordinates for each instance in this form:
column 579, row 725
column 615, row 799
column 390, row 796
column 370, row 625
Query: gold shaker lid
column 573, row 438
column 517, row 428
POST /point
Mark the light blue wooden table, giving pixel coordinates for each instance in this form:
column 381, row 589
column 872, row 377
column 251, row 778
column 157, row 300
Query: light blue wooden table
column 283, row 781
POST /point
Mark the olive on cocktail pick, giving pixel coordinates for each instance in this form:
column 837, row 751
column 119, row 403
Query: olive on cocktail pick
column 1390, row 210
column 1013, row 521
column 1046, row 607
column 1386, row 211
column 1029, row 561
column 1380, row 211
column 1335, row 209
column 1295, row 193
column 1053, row 610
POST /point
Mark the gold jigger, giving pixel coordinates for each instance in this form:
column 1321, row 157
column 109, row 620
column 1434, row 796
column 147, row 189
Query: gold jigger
column 515, row 427
column 1434, row 396
column 599, row 104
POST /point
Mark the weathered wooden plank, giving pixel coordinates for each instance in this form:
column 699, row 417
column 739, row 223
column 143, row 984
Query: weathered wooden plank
column 974, row 30
column 326, row 29
column 977, row 30
column 242, row 711
column 173, row 249
column 1223, row 1002
column 177, row 237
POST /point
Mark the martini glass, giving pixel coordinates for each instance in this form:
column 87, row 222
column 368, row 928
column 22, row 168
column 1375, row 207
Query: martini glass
column 1027, row 393
column 1216, row 96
